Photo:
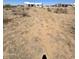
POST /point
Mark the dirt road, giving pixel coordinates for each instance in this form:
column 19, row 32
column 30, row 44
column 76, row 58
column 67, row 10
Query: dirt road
column 42, row 32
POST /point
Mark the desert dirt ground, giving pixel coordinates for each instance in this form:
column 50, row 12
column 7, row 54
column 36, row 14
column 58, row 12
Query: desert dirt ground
column 30, row 33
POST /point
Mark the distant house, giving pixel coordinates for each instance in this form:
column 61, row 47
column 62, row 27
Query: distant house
column 73, row 4
column 30, row 4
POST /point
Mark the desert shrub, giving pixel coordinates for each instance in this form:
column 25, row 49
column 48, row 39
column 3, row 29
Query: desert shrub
column 48, row 9
column 15, row 13
column 35, row 10
column 6, row 20
column 13, row 10
column 56, row 10
column 23, row 9
column 27, row 8
column 72, row 29
column 60, row 10
column 25, row 14
column 6, row 6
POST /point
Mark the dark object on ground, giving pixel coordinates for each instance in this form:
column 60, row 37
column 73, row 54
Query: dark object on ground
column 44, row 57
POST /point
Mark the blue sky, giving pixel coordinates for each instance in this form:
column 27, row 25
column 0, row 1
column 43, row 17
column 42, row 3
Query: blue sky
column 15, row 2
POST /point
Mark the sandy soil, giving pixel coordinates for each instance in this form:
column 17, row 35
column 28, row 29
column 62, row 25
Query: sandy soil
column 38, row 32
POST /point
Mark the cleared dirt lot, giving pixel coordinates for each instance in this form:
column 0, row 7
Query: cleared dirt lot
column 31, row 32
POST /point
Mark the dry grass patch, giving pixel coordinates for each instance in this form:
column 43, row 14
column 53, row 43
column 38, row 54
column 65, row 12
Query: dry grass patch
column 27, row 8
column 6, row 20
column 25, row 14
column 48, row 9
column 61, row 10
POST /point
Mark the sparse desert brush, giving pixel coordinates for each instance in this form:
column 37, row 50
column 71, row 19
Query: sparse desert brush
column 48, row 9
column 6, row 20
column 7, row 6
column 25, row 14
column 35, row 10
column 23, row 31
column 13, row 10
column 17, row 11
column 60, row 10
column 21, row 12
column 27, row 8
column 72, row 29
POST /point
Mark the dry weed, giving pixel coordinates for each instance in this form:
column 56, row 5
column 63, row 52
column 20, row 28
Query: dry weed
column 60, row 10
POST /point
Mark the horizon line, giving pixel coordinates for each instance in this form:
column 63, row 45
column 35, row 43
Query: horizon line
column 37, row 2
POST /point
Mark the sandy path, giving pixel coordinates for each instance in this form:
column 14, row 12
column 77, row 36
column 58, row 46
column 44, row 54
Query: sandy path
column 42, row 33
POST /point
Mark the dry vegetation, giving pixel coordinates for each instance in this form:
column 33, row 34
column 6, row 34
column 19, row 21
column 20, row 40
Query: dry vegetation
column 31, row 32
column 61, row 10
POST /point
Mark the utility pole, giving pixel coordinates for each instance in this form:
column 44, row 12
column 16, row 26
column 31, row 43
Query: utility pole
column 42, row 2
column 34, row 2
